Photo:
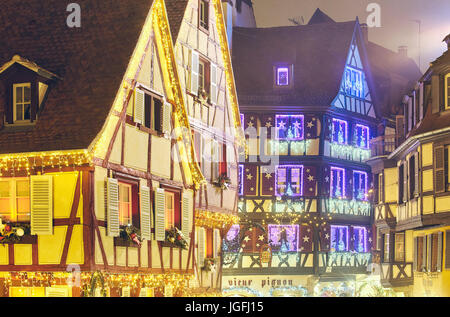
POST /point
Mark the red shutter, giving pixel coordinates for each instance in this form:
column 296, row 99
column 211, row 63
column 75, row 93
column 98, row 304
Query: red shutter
column 309, row 181
column 250, row 180
column 223, row 159
column 267, row 182
column 306, row 238
column 325, row 236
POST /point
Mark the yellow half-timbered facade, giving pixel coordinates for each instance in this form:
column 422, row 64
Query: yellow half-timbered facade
column 412, row 210
column 101, row 184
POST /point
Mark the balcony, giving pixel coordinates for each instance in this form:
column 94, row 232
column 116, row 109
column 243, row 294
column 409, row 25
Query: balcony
column 383, row 145
column 384, row 215
column 396, row 274
column 344, row 262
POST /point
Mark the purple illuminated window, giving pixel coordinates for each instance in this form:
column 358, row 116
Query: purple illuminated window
column 360, row 185
column 354, row 82
column 362, row 136
column 289, row 180
column 360, row 239
column 282, row 76
column 231, row 241
column 337, row 182
column 241, row 180
column 232, row 233
column 284, row 238
column 289, row 127
column 242, row 120
column 340, row 133
column 339, row 238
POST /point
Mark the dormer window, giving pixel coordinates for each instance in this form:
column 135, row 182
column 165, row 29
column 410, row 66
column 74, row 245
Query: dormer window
column 22, row 102
column 283, row 75
column 26, row 86
column 354, row 82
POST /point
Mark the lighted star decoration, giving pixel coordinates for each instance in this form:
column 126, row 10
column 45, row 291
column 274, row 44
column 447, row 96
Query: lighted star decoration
column 370, row 239
column 310, row 178
column 305, row 239
column 261, row 238
column 268, row 176
column 246, row 239
column 297, row 125
column 268, row 124
column 249, row 176
column 252, row 189
column 327, row 179
column 310, row 124
column 250, row 124
column 282, row 125
column 271, row 188
column 327, row 236
column 252, row 118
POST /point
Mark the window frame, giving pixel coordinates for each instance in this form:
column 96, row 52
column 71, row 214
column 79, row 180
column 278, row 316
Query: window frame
column 130, row 203
column 333, row 229
column 336, row 120
column 289, row 119
column 364, row 230
column 241, row 179
column 399, row 256
column 363, row 128
column 288, row 168
column 343, row 182
column 359, row 90
column 13, row 204
column 355, row 196
column 290, row 74
column 203, row 25
column 447, row 91
column 293, row 244
column 23, row 103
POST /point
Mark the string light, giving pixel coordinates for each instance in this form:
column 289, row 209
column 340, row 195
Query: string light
column 209, row 219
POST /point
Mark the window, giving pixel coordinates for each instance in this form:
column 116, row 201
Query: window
column 22, row 102
column 412, row 173
column 153, row 110
column 362, row 136
column 15, row 199
column 360, row 239
column 283, row 75
column 339, row 238
column 381, row 188
column 203, row 76
column 386, row 248
column 170, row 210
column 125, row 204
column 242, row 120
column 241, row 180
column 209, row 243
column 289, row 127
column 337, row 182
column 360, row 185
column 399, row 247
column 400, row 184
column 283, row 238
column 231, row 241
column 204, row 14
column 289, row 180
column 354, row 82
column 447, row 91
column 340, row 133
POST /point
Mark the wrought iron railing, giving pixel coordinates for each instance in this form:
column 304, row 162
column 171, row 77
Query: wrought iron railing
column 383, row 145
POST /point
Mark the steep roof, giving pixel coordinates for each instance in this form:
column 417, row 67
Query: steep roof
column 319, row 52
column 91, row 62
column 175, row 13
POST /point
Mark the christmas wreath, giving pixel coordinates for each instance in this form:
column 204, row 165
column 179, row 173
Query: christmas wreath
column 176, row 237
column 10, row 233
column 131, row 233
column 223, row 181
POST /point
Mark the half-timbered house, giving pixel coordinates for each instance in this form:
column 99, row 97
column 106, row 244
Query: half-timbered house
column 310, row 106
column 412, row 203
column 99, row 174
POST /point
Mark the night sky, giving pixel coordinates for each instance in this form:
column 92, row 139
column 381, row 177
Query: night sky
column 396, row 26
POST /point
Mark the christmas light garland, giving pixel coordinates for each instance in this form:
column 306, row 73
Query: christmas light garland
column 209, row 219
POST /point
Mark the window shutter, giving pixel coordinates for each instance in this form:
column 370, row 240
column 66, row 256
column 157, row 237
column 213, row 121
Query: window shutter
column 420, row 252
column 139, row 106
column 439, row 169
column 160, row 221
column 429, row 252
column 434, row 251
column 167, row 117
column 439, row 251
column 405, row 181
column 382, row 187
column 194, row 72
column 143, row 292
column 399, row 129
column 400, row 185
column 415, row 254
column 447, row 249
column 201, row 247
column 56, row 292
column 214, row 88
column 126, row 292
column 216, row 243
column 146, row 226
column 112, row 205
column 185, row 227
column 421, row 99
column 41, row 191
column 435, row 90
column 416, row 173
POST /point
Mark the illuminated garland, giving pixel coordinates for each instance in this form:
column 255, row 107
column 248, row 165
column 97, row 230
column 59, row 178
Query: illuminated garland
column 349, row 151
column 237, row 290
column 209, row 219
column 349, row 207
column 19, row 162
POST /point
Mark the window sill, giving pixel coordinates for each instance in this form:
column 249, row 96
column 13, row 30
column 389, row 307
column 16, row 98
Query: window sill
column 25, row 240
column 203, row 29
column 166, row 244
column 121, row 242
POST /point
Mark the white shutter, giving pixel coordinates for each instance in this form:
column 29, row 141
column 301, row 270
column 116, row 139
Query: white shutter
column 194, row 72
column 185, row 228
column 217, row 242
column 160, row 215
column 201, row 246
column 126, row 292
column 167, row 117
column 56, row 292
column 214, row 88
column 143, row 292
column 112, row 207
column 41, row 191
column 146, row 228
column 139, row 106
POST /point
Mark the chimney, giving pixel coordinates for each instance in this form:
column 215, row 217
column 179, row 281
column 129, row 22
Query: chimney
column 403, row 50
column 447, row 40
column 365, row 32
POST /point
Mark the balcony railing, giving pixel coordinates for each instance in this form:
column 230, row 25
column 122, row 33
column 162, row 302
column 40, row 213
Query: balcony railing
column 397, row 274
column 383, row 145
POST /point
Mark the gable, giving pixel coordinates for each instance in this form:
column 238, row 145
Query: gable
column 354, row 92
